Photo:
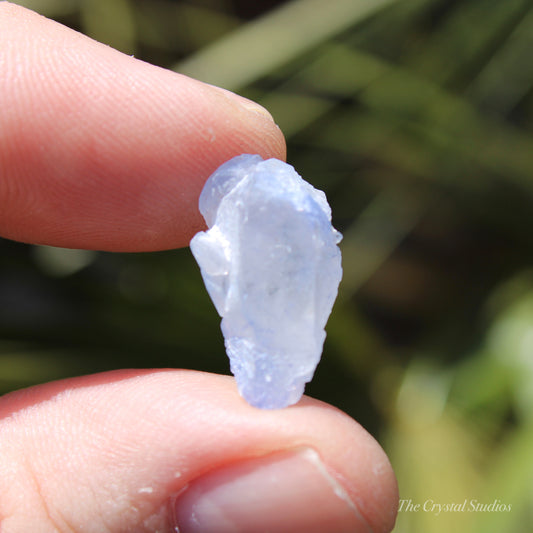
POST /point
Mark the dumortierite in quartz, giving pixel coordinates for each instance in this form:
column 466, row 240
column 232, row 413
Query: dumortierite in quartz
column 272, row 267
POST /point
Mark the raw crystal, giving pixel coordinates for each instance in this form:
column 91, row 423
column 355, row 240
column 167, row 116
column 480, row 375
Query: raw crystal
column 272, row 267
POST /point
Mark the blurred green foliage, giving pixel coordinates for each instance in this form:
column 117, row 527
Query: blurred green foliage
column 416, row 118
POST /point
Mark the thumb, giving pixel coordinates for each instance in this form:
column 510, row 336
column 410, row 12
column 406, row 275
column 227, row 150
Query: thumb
column 159, row 450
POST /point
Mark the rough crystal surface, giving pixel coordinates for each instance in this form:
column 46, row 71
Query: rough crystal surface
column 272, row 267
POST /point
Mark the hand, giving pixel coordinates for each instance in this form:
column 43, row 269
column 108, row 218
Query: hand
column 99, row 150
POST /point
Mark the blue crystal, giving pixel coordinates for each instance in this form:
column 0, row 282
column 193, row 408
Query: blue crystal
column 272, row 267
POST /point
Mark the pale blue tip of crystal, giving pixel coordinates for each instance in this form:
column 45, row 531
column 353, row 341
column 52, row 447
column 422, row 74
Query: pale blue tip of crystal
column 272, row 267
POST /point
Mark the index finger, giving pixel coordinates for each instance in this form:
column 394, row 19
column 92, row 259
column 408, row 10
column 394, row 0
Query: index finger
column 99, row 150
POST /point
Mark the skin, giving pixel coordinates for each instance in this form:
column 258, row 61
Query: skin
column 101, row 151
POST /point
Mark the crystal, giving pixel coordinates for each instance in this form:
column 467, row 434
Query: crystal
column 272, row 267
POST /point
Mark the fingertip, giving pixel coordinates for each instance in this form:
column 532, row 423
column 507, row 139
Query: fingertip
column 359, row 463
column 168, row 430
column 266, row 125
column 100, row 150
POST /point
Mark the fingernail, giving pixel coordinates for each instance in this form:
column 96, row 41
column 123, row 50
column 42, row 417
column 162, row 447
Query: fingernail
column 249, row 105
column 284, row 492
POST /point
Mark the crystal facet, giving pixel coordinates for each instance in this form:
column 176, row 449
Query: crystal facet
column 272, row 267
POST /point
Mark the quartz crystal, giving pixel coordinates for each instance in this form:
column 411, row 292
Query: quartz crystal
column 272, row 267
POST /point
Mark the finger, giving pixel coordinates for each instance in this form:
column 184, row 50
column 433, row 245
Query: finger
column 155, row 450
column 100, row 150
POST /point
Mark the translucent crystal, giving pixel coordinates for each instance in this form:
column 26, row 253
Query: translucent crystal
column 272, row 267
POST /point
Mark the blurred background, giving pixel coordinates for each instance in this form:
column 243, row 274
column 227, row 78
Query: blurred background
column 416, row 118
